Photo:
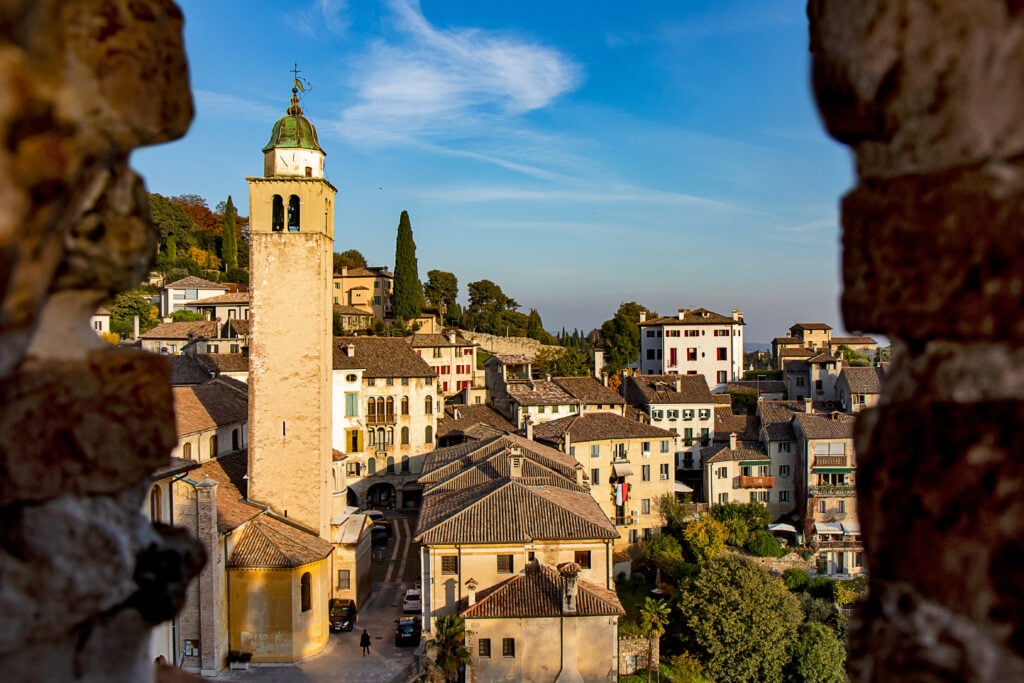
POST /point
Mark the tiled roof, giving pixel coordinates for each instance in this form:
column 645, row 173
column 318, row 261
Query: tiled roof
column 445, row 463
column 188, row 369
column 777, row 418
column 175, row 466
column 269, row 542
column 744, row 426
column 229, row 472
column 206, row 406
column 822, row 358
column 422, row 341
column 204, row 329
column 588, row 390
column 240, row 326
column 830, row 426
column 656, row 389
column 596, row 426
column 745, row 450
column 537, row 592
column 470, row 416
column 854, row 340
column 498, row 467
column 508, row 511
column 359, row 271
column 538, row 392
column 345, row 309
column 193, row 282
column 511, row 359
column 786, row 340
column 380, row 357
column 101, row 311
column 765, row 386
column 696, row 316
column 863, row 380
column 811, row 326
column 226, row 362
column 796, row 352
column 795, row 367
column 634, row 413
column 722, row 399
column 224, row 299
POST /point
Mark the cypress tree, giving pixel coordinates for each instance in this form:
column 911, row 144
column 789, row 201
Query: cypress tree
column 229, row 242
column 407, row 298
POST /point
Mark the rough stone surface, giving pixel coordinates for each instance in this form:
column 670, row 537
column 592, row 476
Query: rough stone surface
column 84, row 574
column 930, row 97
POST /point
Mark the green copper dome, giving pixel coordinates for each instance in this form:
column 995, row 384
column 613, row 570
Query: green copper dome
column 293, row 130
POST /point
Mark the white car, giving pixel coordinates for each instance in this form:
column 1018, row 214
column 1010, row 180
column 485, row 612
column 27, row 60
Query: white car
column 411, row 603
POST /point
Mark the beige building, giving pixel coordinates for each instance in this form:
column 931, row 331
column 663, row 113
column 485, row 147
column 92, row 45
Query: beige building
column 631, row 467
column 175, row 338
column 451, row 356
column 368, row 289
column 814, row 336
column 814, row 377
column 212, row 419
column 743, row 472
column 462, row 423
column 859, row 388
column 233, row 305
column 694, row 342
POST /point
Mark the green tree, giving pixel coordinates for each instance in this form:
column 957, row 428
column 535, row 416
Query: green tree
column 407, row 297
column 664, row 553
column 818, row 656
column 705, row 538
column 489, row 309
column 563, row 362
column 229, row 239
column 654, row 617
column 126, row 306
column 739, row 621
column 441, row 289
column 742, row 519
column 184, row 316
column 171, row 221
column 350, row 258
column 620, row 336
column 448, row 646
column 763, row 544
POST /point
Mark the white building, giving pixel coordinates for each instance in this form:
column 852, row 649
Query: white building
column 183, row 294
column 695, row 342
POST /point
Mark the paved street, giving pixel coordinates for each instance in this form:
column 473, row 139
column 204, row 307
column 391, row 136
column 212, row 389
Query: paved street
column 393, row 572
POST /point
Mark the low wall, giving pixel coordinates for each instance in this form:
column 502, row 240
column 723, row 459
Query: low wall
column 523, row 346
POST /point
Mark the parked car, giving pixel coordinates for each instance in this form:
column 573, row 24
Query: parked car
column 411, row 603
column 374, row 515
column 407, row 631
column 342, row 614
column 378, row 538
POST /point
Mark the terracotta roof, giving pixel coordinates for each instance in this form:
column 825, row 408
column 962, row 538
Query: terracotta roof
column 830, row 426
column 175, row 466
column 510, row 359
column 863, row 380
column 223, row 299
column 657, row 389
column 588, row 390
column 269, row 542
column 796, row 352
column 240, row 326
column 204, row 329
column 444, row 463
column 359, row 271
column 634, row 413
column 380, row 357
column 822, row 357
column 596, row 426
column 421, row 341
column 744, row 426
column 226, row 362
column 745, row 450
column 854, row 340
column 188, row 369
column 538, row 392
column 207, row 406
column 229, row 472
column 345, row 309
column 537, row 592
column 786, row 340
column 193, row 282
column 696, row 316
column 509, row 511
column 470, row 416
column 810, row 326
column 765, row 386
column 101, row 311
column 777, row 418
column 722, row 399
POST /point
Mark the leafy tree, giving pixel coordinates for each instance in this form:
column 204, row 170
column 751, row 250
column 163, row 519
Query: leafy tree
column 705, row 538
column 448, row 646
column 677, row 513
column 796, row 580
column 174, row 275
column 171, row 221
column 441, row 289
column 818, row 656
column 126, row 306
column 407, row 298
column 336, row 326
column 184, row 316
column 239, row 275
column 754, row 516
column 854, row 358
column 664, row 553
column 350, row 258
column 620, row 336
column 763, row 544
column 739, row 621
column 848, row 592
column 564, row 362
column 229, row 240
column 489, row 309
column 110, row 338
column 654, row 616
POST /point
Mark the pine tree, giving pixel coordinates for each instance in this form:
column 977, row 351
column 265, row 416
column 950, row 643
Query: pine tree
column 407, row 298
column 229, row 241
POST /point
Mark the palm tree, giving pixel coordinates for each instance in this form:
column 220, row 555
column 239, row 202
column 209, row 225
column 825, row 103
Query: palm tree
column 449, row 645
column 653, row 618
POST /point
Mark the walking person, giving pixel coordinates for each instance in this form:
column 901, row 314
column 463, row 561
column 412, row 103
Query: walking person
column 364, row 641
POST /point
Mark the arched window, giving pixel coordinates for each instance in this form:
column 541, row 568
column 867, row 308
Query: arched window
column 391, row 465
column 306, row 586
column 428, row 435
column 391, row 435
column 293, row 213
column 428, row 405
column 186, row 451
column 370, row 441
column 371, row 465
column 371, row 412
column 277, row 217
column 213, row 446
column 405, row 463
column 405, row 405
column 155, row 508
column 405, row 436
column 235, row 444
column 389, row 409
column 381, row 438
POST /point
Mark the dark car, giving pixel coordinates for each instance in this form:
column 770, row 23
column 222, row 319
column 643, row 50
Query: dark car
column 342, row 614
column 378, row 538
column 407, row 631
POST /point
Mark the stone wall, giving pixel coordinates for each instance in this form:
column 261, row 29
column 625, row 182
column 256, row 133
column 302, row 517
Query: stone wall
column 508, row 345
column 633, row 654
column 930, row 98
column 83, row 424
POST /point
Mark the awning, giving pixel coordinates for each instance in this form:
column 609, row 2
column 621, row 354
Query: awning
column 832, row 470
column 754, row 463
column 828, row 528
column 782, row 527
column 851, row 529
column 622, row 469
column 680, row 487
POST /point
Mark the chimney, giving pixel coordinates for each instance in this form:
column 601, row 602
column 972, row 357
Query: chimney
column 451, row 337
column 135, row 327
column 737, row 315
column 808, row 405
column 581, row 475
column 682, row 313
column 732, row 441
column 529, row 427
column 567, row 442
column 471, row 586
column 515, row 470
column 677, row 385
column 350, row 350
column 643, row 316
column 570, row 572
column 547, row 378
column 456, row 414
column 604, row 379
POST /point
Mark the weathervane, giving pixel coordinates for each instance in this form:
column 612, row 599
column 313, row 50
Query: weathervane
column 300, row 84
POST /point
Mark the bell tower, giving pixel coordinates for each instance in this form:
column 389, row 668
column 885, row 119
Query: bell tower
column 291, row 230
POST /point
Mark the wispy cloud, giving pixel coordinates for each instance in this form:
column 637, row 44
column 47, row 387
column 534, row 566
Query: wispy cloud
column 313, row 19
column 229, row 106
column 426, row 81
column 463, row 194
column 802, row 233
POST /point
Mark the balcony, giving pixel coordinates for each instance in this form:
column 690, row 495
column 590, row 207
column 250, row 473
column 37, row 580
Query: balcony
column 844, row 491
column 829, row 461
column 380, row 419
column 755, row 482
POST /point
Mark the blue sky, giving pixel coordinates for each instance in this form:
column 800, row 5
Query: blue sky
column 579, row 154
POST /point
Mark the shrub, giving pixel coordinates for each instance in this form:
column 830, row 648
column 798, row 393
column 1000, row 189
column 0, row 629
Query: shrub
column 796, row 580
column 822, row 587
column 763, row 544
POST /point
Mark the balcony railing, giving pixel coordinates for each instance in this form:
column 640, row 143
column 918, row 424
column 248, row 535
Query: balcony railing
column 832, row 491
column 381, row 419
column 755, row 482
column 829, row 461
column 838, row 545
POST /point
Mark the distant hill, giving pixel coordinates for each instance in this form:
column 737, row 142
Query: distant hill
column 750, row 347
